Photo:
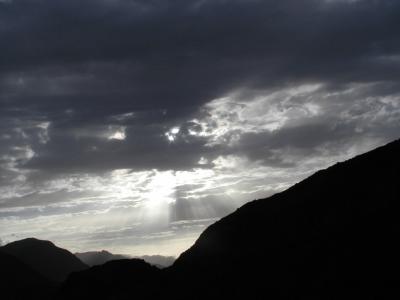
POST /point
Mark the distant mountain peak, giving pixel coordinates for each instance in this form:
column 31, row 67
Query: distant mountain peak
column 94, row 258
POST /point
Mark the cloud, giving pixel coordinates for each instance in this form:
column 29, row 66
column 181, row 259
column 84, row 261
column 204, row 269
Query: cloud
column 226, row 101
column 135, row 57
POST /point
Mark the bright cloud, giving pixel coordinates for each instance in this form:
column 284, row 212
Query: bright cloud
column 136, row 141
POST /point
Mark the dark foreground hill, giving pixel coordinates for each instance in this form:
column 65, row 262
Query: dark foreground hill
column 334, row 235
column 19, row 281
column 336, row 230
column 118, row 279
column 52, row 262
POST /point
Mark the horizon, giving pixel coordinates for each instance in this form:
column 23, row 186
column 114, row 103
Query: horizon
column 130, row 126
column 5, row 243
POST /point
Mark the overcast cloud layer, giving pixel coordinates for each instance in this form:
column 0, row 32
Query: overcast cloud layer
column 130, row 125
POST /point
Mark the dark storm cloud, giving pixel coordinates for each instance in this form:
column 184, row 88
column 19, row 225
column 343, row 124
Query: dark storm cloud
column 145, row 147
column 136, row 123
column 81, row 64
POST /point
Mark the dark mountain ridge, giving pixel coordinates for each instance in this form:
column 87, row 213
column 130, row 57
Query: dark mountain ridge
column 116, row 279
column 336, row 229
column 52, row 262
column 332, row 236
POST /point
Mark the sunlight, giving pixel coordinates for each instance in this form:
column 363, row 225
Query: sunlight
column 161, row 188
column 160, row 193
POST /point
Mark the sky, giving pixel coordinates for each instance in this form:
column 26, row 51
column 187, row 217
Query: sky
column 131, row 125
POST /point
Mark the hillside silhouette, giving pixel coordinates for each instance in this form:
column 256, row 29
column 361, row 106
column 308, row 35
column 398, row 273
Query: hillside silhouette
column 117, row 279
column 44, row 257
column 19, row 281
column 332, row 236
column 336, row 230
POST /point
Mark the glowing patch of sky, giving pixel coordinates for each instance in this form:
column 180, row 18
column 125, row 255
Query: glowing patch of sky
column 141, row 212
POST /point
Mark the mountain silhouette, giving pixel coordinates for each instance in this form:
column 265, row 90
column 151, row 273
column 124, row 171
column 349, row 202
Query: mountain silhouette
column 332, row 236
column 117, row 279
column 52, row 262
column 94, row 258
column 19, row 281
column 337, row 229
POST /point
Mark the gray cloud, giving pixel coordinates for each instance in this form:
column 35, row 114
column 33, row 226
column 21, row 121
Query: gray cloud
column 225, row 100
column 76, row 65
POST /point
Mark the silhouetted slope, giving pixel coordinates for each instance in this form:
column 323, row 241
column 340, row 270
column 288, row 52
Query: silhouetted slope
column 332, row 236
column 19, row 281
column 117, row 279
column 339, row 228
column 43, row 256
column 94, row 258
